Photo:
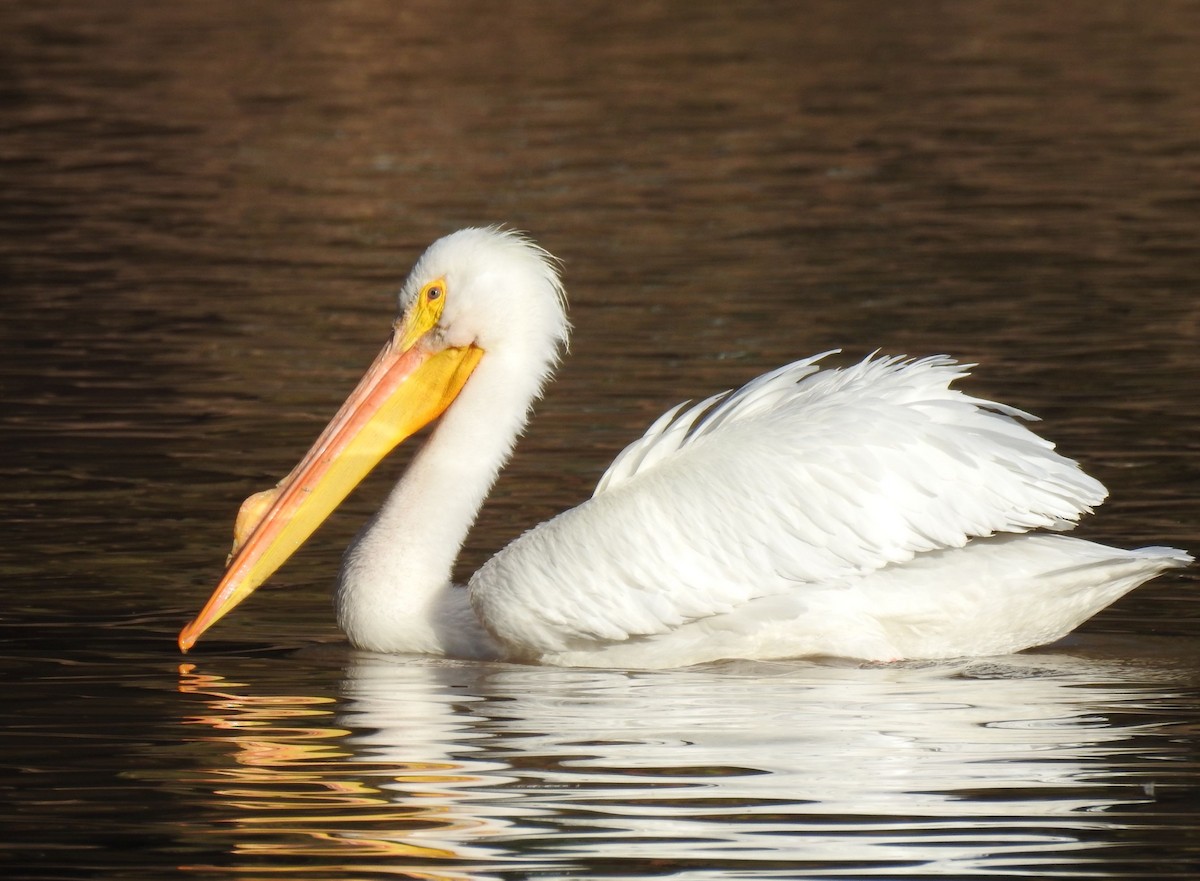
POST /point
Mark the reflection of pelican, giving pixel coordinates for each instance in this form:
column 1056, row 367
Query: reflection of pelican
column 782, row 762
column 870, row 512
column 427, row 768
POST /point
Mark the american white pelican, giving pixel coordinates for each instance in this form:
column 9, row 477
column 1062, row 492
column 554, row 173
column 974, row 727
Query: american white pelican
column 870, row 512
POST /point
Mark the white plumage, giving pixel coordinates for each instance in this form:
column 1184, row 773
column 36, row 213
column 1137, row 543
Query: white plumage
column 872, row 512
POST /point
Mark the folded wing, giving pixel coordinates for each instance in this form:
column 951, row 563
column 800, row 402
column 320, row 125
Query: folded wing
column 800, row 478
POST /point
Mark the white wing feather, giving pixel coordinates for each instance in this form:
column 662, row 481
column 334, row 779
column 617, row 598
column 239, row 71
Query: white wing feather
column 802, row 478
column 673, row 430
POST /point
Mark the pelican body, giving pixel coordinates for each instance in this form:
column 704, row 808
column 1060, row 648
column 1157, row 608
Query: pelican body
column 869, row 512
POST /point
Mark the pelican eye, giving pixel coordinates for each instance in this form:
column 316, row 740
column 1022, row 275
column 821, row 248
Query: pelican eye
column 433, row 293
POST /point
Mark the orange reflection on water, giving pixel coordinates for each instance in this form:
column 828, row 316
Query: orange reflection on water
column 286, row 790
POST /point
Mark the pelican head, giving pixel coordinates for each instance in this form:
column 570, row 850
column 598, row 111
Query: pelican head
column 476, row 300
column 501, row 291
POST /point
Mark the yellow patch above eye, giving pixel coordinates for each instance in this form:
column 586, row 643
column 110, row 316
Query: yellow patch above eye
column 424, row 315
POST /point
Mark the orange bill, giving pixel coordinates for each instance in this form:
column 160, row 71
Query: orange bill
column 405, row 388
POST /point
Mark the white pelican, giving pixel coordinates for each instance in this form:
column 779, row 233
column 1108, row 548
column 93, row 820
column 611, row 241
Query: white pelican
column 871, row 512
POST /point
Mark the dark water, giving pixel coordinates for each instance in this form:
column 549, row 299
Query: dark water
column 204, row 208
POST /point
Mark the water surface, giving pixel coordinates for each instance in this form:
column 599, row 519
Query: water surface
column 204, row 212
